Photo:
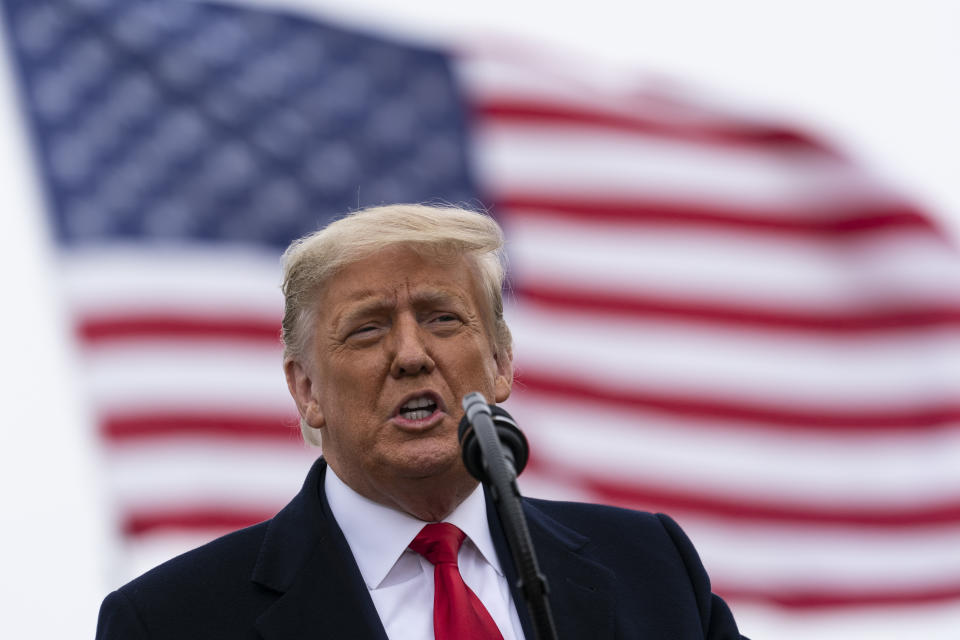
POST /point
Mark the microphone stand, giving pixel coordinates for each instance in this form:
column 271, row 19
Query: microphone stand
column 502, row 482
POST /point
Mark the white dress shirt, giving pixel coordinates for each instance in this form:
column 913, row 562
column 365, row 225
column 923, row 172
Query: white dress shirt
column 400, row 581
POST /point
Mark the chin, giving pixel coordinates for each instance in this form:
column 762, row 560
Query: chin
column 429, row 462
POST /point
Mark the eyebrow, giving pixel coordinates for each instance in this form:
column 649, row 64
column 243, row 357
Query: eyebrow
column 436, row 296
column 370, row 302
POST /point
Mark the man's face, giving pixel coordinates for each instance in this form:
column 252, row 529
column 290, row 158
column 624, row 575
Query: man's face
column 398, row 341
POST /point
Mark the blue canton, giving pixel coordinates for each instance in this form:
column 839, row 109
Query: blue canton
column 182, row 121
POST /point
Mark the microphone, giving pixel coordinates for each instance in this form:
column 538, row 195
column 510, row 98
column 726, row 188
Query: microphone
column 485, row 418
column 495, row 451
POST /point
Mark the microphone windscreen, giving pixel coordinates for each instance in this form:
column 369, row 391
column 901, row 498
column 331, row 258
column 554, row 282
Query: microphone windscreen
column 511, row 437
column 512, row 441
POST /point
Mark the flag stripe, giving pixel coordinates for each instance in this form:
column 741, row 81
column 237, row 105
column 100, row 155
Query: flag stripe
column 842, row 221
column 902, row 471
column 795, row 276
column 158, row 473
column 547, row 159
column 829, row 371
column 742, row 509
column 163, row 323
column 118, row 428
column 809, row 600
column 210, row 518
column 885, row 317
column 729, row 133
column 715, row 411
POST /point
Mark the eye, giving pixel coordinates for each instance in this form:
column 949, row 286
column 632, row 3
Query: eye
column 363, row 332
column 443, row 318
column 444, row 322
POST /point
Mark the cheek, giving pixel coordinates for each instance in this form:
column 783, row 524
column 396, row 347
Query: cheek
column 482, row 365
column 358, row 386
column 350, row 369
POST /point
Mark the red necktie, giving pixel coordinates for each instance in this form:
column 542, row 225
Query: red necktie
column 458, row 613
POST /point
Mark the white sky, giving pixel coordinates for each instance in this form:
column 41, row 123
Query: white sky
column 878, row 77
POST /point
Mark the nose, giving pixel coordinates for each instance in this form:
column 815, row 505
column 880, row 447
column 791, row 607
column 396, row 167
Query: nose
column 410, row 355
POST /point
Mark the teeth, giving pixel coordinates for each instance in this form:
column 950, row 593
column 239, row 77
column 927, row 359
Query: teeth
column 418, row 403
column 418, row 408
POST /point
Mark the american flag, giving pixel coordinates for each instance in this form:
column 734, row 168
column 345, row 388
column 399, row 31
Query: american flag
column 715, row 314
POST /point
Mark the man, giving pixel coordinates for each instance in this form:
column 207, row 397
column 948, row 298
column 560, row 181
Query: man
column 392, row 315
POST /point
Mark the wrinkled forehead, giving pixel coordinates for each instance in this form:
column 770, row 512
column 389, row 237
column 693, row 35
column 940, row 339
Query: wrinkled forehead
column 382, row 277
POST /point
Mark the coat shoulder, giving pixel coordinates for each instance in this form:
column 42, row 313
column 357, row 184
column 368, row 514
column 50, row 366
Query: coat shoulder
column 650, row 556
column 602, row 522
column 622, row 537
column 204, row 592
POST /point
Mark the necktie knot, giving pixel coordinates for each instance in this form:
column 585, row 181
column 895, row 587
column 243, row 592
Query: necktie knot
column 439, row 543
column 458, row 613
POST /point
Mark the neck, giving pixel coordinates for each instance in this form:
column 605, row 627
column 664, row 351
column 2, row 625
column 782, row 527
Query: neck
column 430, row 499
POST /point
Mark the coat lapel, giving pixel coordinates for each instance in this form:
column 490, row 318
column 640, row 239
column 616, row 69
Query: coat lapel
column 307, row 561
column 305, row 558
column 580, row 590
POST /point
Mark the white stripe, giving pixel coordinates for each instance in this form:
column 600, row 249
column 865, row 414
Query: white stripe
column 726, row 268
column 785, row 468
column 181, row 473
column 491, row 73
column 202, row 279
column 163, row 374
column 779, row 557
column 491, row 77
column 930, row 622
column 570, row 160
column 793, row 370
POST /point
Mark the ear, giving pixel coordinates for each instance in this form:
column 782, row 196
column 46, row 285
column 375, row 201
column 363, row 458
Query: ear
column 504, row 380
column 302, row 389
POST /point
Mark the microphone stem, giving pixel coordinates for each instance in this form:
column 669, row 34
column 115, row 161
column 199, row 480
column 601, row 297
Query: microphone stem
column 506, row 497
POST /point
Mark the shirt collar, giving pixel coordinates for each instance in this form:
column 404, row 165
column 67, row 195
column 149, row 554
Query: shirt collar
column 378, row 535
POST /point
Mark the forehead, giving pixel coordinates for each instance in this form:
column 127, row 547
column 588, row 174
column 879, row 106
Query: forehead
column 397, row 272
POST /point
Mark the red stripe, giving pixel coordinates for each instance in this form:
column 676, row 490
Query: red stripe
column 207, row 519
column 632, row 495
column 119, row 428
column 818, row 599
column 165, row 324
column 713, row 410
column 883, row 319
column 838, row 222
column 741, row 509
column 716, row 133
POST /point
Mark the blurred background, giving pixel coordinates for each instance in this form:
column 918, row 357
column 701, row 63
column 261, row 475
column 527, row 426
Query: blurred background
column 732, row 232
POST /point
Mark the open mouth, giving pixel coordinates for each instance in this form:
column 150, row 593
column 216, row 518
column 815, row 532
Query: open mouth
column 418, row 407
